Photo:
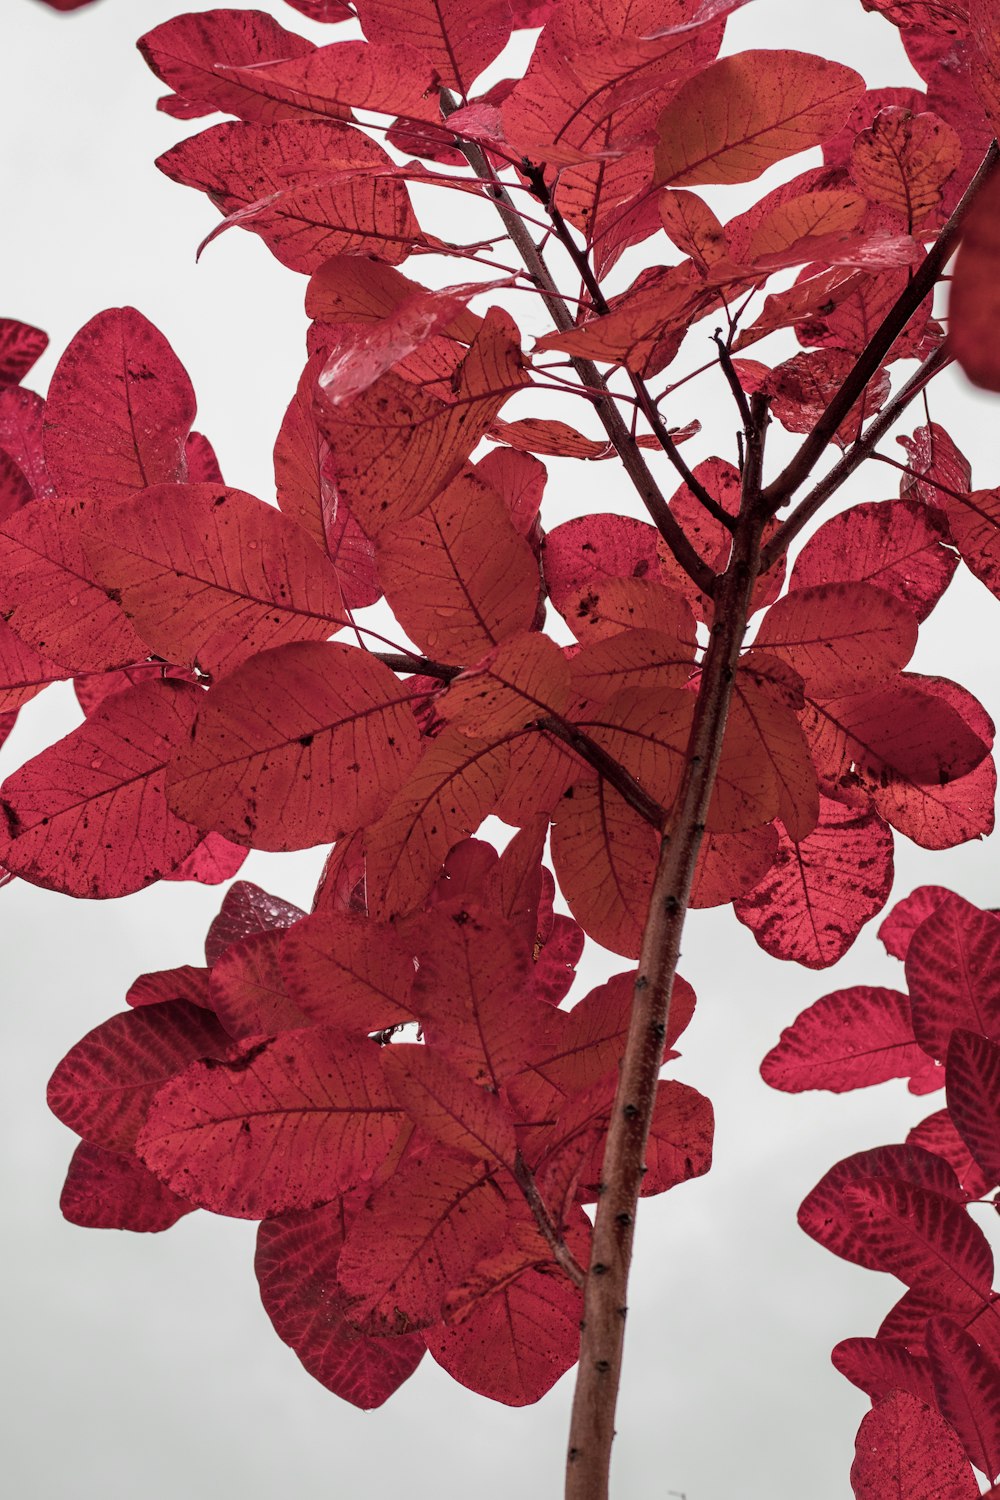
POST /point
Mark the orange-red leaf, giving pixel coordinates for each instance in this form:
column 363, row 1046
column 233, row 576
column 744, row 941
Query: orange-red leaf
column 296, row 183
column 445, row 1104
column 288, row 1125
column 520, row 681
column 210, row 576
column 397, row 446
column 119, row 409
column 819, row 893
column 905, row 1451
column 296, row 1266
column 903, row 161
column 89, row 816
column 450, row 792
column 49, row 594
column 739, row 116
column 298, row 746
column 458, row 577
column 416, row 1238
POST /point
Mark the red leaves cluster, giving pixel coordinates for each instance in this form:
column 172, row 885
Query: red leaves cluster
column 413, row 1196
column 428, row 1193
column 933, row 1370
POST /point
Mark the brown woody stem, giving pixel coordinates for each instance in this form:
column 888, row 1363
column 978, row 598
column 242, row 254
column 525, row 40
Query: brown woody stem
column 603, row 1329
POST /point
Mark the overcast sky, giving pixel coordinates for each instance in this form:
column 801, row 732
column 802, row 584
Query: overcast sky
column 144, row 1366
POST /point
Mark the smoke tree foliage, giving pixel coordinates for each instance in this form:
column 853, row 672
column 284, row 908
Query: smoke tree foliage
column 676, row 712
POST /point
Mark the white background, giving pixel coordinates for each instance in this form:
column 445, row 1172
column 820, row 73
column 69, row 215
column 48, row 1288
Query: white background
column 144, row 1366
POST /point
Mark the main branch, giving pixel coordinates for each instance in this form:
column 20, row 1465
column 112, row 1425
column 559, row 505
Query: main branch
column 605, row 1292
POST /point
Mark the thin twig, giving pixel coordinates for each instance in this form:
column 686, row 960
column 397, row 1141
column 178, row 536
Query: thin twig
column 729, row 370
column 611, row 418
column 855, row 455
column 561, row 1252
column 601, row 306
column 921, row 284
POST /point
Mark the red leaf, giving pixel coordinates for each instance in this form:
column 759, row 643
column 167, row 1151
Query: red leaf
column 119, row 409
column 938, row 1134
column 210, row 862
column 184, row 983
column 881, row 1366
column 974, row 524
column 906, row 916
column 926, row 1240
column 458, row 577
column 802, row 387
column 211, row 576
column 941, row 816
column 49, row 593
column 307, row 718
column 21, row 418
column 774, row 736
column 589, row 549
column 898, row 735
column 442, row 1102
column 447, row 796
column 630, row 658
column 307, row 492
column 513, row 1346
column 332, row 81
column 472, row 970
column 824, row 1213
column 105, row 1084
column 296, row 183
column 840, row 637
column 973, row 1089
column 247, row 909
column 248, row 991
column 186, row 52
column 89, row 816
column 953, row 974
column 20, row 346
column 517, row 683
column 296, row 1266
column 457, row 37
column 554, row 439
column 938, row 465
column 732, row 864
column 347, row 972
column 105, row 1190
column 397, row 446
column 906, row 1452
column 23, row 672
column 847, row 1040
column 519, row 479
column 680, row 1138
column 974, row 307
column 741, row 115
column 605, row 858
column 819, row 893
column 288, row 1125
column 358, row 352
column 903, row 161
column 967, row 1386
column 416, row 1238
column 580, row 1047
